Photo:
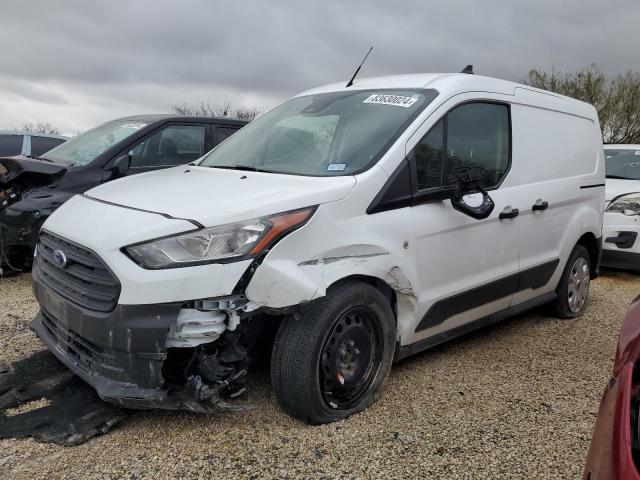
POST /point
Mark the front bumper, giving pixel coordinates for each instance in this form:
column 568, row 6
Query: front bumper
column 610, row 456
column 119, row 353
column 621, row 245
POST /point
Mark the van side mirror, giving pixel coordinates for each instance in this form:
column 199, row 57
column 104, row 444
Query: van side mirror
column 478, row 205
column 121, row 166
column 469, row 197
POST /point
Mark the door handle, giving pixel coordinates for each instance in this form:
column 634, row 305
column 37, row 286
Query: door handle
column 508, row 212
column 540, row 205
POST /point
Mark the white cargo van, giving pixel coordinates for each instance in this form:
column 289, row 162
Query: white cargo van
column 367, row 222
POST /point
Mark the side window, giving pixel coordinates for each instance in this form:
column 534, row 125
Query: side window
column 173, row 145
column 40, row 145
column 471, row 135
column 224, row 132
column 11, row 145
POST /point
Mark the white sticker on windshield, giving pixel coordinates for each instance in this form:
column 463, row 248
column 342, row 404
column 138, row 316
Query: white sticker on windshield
column 134, row 125
column 637, row 152
column 336, row 167
column 397, row 100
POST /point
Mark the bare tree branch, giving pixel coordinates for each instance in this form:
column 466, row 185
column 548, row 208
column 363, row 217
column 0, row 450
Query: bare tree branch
column 224, row 110
column 40, row 128
column 616, row 98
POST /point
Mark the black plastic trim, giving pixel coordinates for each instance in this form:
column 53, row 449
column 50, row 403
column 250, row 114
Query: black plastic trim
column 396, row 193
column 405, row 351
column 592, row 186
column 623, row 239
column 620, row 259
column 444, row 309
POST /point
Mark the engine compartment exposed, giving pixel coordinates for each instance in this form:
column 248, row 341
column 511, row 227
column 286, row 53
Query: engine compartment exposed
column 208, row 375
column 18, row 176
column 21, row 177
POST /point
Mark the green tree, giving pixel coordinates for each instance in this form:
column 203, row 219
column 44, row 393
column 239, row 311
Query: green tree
column 617, row 98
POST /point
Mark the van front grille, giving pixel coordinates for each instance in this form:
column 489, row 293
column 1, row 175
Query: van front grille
column 83, row 279
column 85, row 353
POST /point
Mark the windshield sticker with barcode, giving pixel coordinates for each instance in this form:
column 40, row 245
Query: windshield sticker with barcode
column 134, row 125
column 336, row 167
column 397, row 100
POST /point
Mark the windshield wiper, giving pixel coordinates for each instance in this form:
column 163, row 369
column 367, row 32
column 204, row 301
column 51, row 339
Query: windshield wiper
column 619, row 177
column 244, row 168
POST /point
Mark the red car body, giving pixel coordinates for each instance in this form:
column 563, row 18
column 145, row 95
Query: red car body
column 610, row 454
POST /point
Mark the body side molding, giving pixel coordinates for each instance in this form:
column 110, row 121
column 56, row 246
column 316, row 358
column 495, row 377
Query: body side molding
column 444, row 309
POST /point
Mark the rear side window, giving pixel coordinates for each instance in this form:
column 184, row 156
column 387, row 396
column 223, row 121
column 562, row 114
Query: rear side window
column 224, row 132
column 10, row 145
column 40, row 145
column 173, row 145
column 473, row 135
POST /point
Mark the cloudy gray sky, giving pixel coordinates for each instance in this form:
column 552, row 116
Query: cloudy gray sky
column 75, row 64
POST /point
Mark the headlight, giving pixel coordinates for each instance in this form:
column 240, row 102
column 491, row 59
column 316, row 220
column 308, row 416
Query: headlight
column 229, row 242
column 626, row 204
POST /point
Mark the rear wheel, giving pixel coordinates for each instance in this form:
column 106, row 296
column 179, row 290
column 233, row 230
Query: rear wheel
column 573, row 288
column 333, row 361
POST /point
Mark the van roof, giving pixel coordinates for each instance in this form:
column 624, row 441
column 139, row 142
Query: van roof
column 448, row 84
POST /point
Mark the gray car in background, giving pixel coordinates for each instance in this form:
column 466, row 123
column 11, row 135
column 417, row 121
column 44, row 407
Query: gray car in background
column 28, row 144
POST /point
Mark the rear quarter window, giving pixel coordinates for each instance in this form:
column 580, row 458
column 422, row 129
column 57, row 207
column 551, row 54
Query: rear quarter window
column 41, row 145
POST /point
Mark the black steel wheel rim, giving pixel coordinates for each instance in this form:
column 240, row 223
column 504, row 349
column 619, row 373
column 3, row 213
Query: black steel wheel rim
column 350, row 358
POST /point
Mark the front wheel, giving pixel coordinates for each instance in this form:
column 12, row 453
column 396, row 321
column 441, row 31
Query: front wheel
column 573, row 288
column 332, row 361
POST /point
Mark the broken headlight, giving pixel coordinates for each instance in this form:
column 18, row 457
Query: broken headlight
column 229, row 242
column 626, row 204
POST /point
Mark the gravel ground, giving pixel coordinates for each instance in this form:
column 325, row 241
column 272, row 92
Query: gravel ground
column 517, row 400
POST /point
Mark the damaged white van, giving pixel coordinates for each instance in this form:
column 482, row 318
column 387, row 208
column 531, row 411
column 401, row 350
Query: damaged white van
column 365, row 223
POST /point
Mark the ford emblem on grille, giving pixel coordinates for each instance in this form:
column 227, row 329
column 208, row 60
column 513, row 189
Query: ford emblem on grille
column 59, row 259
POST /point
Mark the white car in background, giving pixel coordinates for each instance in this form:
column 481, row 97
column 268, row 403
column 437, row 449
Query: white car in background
column 621, row 248
column 28, row 144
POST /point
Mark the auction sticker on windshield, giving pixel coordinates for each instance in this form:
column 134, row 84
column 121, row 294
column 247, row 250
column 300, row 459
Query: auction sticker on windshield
column 397, row 100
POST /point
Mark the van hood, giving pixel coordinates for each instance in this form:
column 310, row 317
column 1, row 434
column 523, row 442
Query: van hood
column 214, row 196
column 616, row 187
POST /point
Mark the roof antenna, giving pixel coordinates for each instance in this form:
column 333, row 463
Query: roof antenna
column 358, row 69
column 468, row 69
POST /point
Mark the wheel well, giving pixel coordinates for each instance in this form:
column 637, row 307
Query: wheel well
column 590, row 242
column 388, row 292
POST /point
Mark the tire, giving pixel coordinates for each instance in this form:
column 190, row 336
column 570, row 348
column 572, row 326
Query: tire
column 573, row 289
column 349, row 333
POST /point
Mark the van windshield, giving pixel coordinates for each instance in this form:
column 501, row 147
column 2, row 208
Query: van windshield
column 329, row 134
column 84, row 148
column 623, row 163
